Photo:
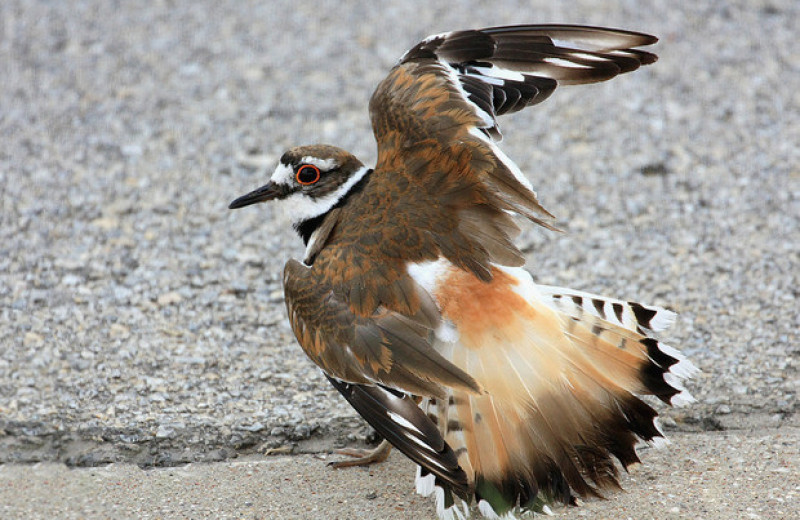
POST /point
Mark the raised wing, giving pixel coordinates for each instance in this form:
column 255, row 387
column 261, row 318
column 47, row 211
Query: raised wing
column 505, row 69
column 434, row 115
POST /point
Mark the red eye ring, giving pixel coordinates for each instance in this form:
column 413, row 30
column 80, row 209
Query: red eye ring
column 307, row 174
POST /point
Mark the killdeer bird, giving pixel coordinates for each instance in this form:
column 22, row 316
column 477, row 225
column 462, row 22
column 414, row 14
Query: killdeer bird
column 413, row 300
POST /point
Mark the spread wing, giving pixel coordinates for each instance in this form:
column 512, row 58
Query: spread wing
column 505, row 69
column 434, row 119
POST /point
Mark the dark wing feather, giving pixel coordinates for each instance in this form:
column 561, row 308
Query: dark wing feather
column 524, row 64
column 399, row 420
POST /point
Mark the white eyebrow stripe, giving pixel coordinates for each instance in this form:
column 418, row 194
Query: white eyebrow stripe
column 322, row 164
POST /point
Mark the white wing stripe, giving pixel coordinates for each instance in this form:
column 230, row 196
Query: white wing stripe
column 452, row 75
column 497, row 72
column 507, row 162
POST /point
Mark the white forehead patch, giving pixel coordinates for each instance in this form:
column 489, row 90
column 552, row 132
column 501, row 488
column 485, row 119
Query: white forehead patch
column 283, row 174
column 322, row 164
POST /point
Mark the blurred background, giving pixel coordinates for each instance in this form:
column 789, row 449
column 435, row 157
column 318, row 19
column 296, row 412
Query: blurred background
column 142, row 321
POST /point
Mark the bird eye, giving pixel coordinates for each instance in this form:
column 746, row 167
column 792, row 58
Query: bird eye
column 307, row 174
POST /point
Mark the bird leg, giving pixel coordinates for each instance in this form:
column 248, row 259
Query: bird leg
column 363, row 457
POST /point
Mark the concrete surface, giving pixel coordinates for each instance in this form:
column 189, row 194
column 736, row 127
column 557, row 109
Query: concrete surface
column 711, row 476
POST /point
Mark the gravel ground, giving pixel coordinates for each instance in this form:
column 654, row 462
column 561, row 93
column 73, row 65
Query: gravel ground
column 141, row 321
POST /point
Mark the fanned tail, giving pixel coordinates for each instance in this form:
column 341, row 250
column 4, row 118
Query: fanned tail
column 561, row 370
column 622, row 323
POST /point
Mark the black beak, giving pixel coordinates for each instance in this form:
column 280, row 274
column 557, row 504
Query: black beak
column 267, row 192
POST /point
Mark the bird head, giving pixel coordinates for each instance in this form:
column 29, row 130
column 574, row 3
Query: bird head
column 308, row 181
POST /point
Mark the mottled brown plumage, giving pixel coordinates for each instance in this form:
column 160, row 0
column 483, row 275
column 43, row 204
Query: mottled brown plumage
column 411, row 283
